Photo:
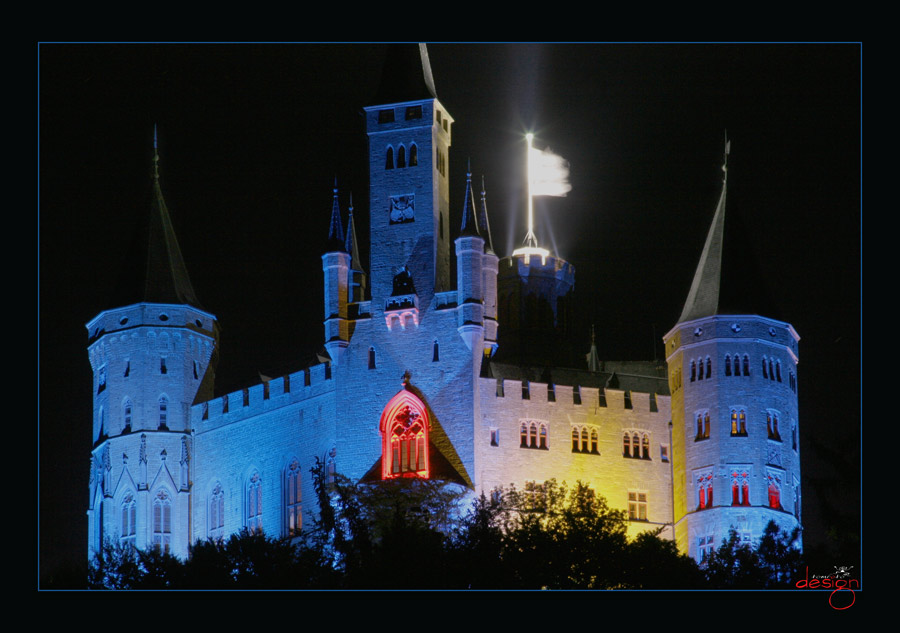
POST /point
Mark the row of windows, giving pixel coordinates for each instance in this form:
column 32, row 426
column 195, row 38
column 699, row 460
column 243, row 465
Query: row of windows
column 585, row 440
column 533, row 435
column 739, row 426
column 401, row 157
column 412, row 112
column 734, row 366
column 636, row 445
column 740, row 490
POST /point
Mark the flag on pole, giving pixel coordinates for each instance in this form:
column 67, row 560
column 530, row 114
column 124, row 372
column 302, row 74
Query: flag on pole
column 549, row 173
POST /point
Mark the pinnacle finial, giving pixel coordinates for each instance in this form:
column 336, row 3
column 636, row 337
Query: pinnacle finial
column 351, row 203
column 725, row 158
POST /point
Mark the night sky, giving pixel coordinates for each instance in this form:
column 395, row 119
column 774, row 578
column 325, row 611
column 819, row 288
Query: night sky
column 251, row 138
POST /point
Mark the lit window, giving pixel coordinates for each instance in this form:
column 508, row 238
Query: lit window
column 216, row 512
column 705, row 490
column 254, row 503
column 523, row 433
column 740, row 488
column 532, row 435
column 734, row 422
column 664, row 452
column 162, row 521
column 594, row 442
column 774, row 491
column 645, row 447
column 626, row 448
column 404, row 428
column 292, row 496
column 576, row 440
column 543, row 444
column 637, row 506
column 128, row 520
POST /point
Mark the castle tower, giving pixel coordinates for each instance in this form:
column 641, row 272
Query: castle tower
column 733, row 380
column 152, row 358
column 336, row 266
column 470, row 290
column 409, row 139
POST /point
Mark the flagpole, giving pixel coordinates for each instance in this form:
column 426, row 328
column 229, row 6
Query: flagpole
column 530, row 239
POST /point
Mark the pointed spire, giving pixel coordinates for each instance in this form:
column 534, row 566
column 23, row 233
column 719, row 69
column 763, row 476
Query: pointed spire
column 351, row 245
column 593, row 358
column 483, row 221
column 406, row 76
column 335, row 229
column 469, row 222
column 156, row 272
column 703, row 298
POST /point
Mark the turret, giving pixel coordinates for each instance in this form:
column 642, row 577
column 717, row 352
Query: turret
column 733, row 379
column 469, row 274
column 336, row 266
column 152, row 358
column 490, row 264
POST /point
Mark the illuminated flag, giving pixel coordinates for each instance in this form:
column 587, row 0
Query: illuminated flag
column 549, row 173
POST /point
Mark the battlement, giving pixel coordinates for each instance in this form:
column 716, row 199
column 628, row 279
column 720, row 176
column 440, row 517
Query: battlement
column 266, row 396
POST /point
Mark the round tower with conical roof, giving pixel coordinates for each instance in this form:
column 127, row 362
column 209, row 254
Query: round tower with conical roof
column 152, row 358
column 735, row 433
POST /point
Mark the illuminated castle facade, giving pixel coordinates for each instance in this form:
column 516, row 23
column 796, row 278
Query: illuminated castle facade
column 416, row 384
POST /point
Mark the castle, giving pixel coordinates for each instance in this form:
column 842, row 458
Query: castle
column 421, row 379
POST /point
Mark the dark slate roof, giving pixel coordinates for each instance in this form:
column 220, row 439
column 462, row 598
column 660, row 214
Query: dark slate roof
column 469, row 222
column 406, row 75
column 335, row 228
column 640, row 376
column 352, row 243
column 155, row 270
column 728, row 279
column 483, row 221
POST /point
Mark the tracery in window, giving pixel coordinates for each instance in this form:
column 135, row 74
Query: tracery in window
column 774, row 491
column 704, row 481
column 404, row 429
column 254, row 503
column 162, row 521
column 740, row 487
column 292, row 498
column 216, row 512
column 127, row 530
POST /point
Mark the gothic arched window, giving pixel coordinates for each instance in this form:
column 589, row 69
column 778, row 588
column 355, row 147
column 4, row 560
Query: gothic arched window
column 128, row 520
column 594, row 442
column 389, row 158
column 708, row 367
column 413, row 155
column 254, row 503
column 746, row 365
column 401, row 157
column 404, row 430
column 216, row 512
column 645, row 447
column 523, row 433
column 292, row 497
column 626, row 445
column 576, row 440
column 727, row 365
column 162, row 521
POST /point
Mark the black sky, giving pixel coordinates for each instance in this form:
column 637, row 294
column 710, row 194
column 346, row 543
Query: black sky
column 252, row 136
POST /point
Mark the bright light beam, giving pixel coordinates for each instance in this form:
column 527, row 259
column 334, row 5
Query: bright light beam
column 548, row 175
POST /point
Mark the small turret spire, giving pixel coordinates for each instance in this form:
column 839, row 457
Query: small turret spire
column 593, row 358
column 351, row 245
column 469, row 222
column 155, row 157
column 335, row 229
column 483, row 223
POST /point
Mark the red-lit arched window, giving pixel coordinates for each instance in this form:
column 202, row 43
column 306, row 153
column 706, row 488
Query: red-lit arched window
column 404, row 431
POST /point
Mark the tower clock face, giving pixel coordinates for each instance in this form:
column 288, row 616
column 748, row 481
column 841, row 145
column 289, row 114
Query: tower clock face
column 403, row 209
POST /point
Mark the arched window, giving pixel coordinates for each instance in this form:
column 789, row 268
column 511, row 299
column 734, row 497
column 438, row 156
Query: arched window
column 740, row 488
column 163, row 412
column 524, row 435
column 743, row 423
column 693, row 370
column 127, row 530
column 727, row 365
column 404, row 428
column 635, row 445
column 774, row 493
column 699, row 373
column 543, row 444
column 435, row 352
column 771, row 370
column 769, row 426
column 734, row 422
column 102, row 422
column 746, row 365
column 389, row 158
column 706, row 425
column 254, row 503
column 126, row 410
column 576, row 440
column 764, row 370
column 216, row 512
column 371, row 358
column 594, row 442
column 708, row 367
column 584, row 440
column 645, row 447
column 737, row 365
column 775, row 433
column 626, row 448
column 699, row 426
column 532, row 435
column 413, row 155
column 162, row 521
column 292, row 508
column 778, row 371
column 401, row 157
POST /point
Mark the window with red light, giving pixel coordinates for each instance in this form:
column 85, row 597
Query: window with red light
column 404, row 428
column 740, row 488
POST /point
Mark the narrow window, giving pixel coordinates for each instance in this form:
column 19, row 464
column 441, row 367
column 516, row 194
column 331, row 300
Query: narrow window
column 435, row 352
column 551, row 393
column 532, row 436
column 708, row 367
column 727, row 365
column 371, row 358
column 389, row 159
column 523, row 434
column 216, row 512
column 127, row 368
column 292, row 506
column 774, row 494
column 225, row 404
column 584, row 440
column 246, row 395
column 254, row 503
column 628, row 404
column 693, row 370
column 287, row 383
column 743, row 425
column 543, row 444
column 769, row 426
column 128, row 520
column 626, row 445
column 576, row 395
column 101, row 380
column 401, row 157
column 127, row 422
column 778, row 371
column 746, row 365
column 737, row 365
column 645, row 446
column 266, row 390
column 526, row 394
column 495, row 437
column 664, row 452
column 635, row 446
column 163, row 413
column 500, row 393
column 595, row 444
column 162, row 521
column 706, row 425
column 771, row 370
column 734, row 422
column 162, row 365
column 699, row 426
column 327, row 371
column 576, row 440
column 196, row 375
column 794, row 437
column 413, row 155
